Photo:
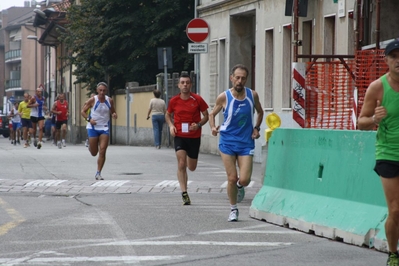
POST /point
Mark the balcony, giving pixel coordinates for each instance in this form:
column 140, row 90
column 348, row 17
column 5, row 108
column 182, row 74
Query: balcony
column 13, row 56
column 13, row 84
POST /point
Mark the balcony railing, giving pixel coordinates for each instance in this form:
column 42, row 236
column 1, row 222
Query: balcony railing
column 13, row 83
column 12, row 55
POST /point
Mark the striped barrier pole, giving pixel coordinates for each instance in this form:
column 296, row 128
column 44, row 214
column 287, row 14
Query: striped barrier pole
column 298, row 92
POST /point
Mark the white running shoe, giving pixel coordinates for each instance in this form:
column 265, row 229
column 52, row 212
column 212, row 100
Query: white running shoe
column 98, row 176
column 59, row 145
column 39, row 144
column 63, row 143
column 87, row 143
column 233, row 217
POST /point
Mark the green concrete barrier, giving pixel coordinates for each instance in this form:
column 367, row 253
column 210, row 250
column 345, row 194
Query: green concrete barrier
column 323, row 182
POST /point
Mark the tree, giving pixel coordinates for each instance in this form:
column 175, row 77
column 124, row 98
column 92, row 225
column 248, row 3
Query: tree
column 118, row 39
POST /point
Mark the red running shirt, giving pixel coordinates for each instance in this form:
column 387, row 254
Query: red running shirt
column 63, row 107
column 187, row 111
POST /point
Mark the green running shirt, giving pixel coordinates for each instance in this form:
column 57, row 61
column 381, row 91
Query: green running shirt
column 387, row 144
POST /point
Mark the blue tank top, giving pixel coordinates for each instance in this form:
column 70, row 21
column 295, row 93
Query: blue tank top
column 238, row 122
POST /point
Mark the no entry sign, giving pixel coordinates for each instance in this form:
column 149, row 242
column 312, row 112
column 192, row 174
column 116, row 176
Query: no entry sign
column 197, row 30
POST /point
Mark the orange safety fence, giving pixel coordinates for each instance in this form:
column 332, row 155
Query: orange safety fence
column 370, row 65
column 335, row 92
column 329, row 95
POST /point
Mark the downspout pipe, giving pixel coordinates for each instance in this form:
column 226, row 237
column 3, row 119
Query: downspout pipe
column 377, row 26
column 296, row 33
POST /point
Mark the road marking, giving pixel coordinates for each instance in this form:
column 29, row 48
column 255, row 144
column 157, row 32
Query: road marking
column 125, row 259
column 251, row 184
column 170, row 183
column 196, row 243
column 44, row 183
column 112, row 183
column 15, row 216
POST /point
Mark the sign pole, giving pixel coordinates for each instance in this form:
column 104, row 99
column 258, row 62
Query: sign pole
column 165, row 78
column 196, row 58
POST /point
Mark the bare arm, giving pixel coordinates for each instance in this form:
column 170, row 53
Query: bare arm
column 372, row 112
column 219, row 105
column 113, row 112
column 172, row 128
column 259, row 111
column 87, row 105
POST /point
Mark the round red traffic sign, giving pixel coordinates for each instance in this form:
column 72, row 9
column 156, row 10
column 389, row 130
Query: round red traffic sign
column 197, row 30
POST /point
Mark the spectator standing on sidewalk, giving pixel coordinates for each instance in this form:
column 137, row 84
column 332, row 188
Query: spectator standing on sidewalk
column 186, row 108
column 101, row 107
column 61, row 110
column 158, row 109
column 381, row 107
column 237, row 134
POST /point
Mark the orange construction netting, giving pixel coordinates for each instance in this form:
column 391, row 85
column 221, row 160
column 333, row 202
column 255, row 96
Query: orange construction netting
column 329, row 96
column 335, row 92
column 370, row 65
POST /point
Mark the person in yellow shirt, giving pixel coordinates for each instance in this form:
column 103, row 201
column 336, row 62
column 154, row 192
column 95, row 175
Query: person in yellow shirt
column 24, row 110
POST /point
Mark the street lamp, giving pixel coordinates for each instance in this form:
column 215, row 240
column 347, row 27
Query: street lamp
column 34, row 37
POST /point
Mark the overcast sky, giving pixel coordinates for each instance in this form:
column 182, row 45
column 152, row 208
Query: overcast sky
column 4, row 4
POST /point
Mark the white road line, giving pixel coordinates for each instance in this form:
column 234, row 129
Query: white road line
column 112, row 183
column 126, row 259
column 44, row 183
column 197, row 243
column 170, row 183
column 251, row 184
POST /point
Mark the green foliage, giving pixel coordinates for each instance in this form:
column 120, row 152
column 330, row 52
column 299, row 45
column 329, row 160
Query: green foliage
column 118, row 39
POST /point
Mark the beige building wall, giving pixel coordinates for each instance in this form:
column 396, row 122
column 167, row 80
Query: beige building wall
column 271, row 35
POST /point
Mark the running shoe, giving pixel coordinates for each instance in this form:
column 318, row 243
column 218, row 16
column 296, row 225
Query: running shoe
column 12, row 142
column 26, row 145
column 98, row 176
column 87, row 143
column 15, row 143
column 393, row 259
column 186, row 198
column 59, row 145
column 233, row 217
column 19, row 143
column 63, row 143
column 39, row 145
column 35, row 142
column 240, row 194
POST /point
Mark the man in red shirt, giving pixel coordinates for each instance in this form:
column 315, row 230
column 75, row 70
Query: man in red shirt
column 60, row 109
column 186, row 108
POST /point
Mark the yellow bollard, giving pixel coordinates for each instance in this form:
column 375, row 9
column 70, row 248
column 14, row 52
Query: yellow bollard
column 273, row 121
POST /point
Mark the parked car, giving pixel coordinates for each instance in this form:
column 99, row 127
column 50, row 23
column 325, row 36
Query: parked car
column 4, row 128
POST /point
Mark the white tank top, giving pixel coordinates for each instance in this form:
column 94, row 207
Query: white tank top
column 100, row 113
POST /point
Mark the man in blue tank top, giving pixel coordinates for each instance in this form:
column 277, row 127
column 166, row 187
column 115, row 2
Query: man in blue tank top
column 237, row 134
column 381, row 107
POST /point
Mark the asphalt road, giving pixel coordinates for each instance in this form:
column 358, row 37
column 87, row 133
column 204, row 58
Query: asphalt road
column 53, row 212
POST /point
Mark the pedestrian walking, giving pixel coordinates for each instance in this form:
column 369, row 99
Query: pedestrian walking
column 381, row 108
column 101, row 107
column 237, row 134
column 26, row 123
column 186, row 108
column 157, row 109
column 61, row 110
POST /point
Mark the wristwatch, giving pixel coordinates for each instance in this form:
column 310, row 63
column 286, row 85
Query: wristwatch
column 199, row 125
column 257, row 128
column 88, row 119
